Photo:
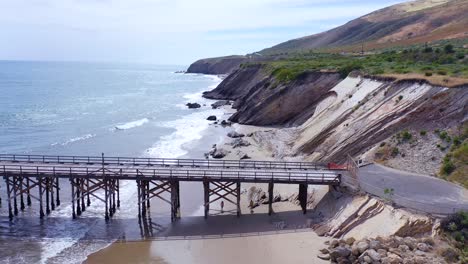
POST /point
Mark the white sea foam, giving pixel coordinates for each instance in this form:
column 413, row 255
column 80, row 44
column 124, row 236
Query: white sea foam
column 75, row 139
column 187, row 129
column 132, row 124
column 72, row 233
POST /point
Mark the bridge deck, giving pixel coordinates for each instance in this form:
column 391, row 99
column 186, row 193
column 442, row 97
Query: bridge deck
column 167, row 169
column 99, row 177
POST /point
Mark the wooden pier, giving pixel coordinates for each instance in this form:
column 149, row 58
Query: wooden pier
column 37, row 177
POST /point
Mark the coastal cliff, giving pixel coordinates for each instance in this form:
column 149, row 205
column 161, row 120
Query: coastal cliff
column 220, row 65
column 327, row 117
column 260, row 99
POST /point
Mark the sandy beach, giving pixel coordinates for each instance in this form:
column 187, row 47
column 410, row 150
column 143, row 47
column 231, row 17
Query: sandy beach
column 284, row 237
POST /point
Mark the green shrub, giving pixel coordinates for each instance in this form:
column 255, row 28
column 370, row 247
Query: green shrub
column 395, row 151
column 460, row 55
column 443, row 135
column 449, row 48
column 406, row 135
column 456, row 141
column 428, row 74
column 400, row 97
column 442, row 72
column 447, row 167
column 382, row 144
column 423, row 132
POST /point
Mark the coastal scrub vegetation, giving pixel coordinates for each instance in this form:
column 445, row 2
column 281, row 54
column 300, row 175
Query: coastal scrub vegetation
column 442, row 61
column 455, row 228
column 455, row 163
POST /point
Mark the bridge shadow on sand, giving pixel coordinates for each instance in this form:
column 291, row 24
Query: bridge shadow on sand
column 158, row 228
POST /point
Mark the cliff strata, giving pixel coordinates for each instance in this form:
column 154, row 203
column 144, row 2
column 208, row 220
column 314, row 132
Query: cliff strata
column 329, row 118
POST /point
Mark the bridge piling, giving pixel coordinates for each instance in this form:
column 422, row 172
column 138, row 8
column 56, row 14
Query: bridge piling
column 41, row 208
column 22, row 195
column 73, row 198
column 28, row 192
column 15, row 204
column 10, row 211
column 78, row 193
column 270, row 197
column 175, row 200
column 303, row 197
column 47, row 195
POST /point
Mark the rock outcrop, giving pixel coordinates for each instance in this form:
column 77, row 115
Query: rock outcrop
column 385, row 250
column 262, row 100
column 220, row 65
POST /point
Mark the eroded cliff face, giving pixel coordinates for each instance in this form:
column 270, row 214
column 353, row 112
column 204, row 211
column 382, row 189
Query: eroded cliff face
column 328, row 118
column 365, row 112
column 261, row 100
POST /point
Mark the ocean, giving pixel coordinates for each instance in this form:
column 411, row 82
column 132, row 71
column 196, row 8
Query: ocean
column 78, row 108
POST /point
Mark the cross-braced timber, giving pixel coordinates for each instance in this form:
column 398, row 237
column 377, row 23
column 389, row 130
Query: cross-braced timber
column 38, row 177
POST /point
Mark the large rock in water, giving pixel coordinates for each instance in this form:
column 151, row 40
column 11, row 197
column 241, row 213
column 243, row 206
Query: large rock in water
column 218, row 104
column 193, row 105
column 211, row 118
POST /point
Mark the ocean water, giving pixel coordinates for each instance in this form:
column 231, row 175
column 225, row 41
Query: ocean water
column 73, row 108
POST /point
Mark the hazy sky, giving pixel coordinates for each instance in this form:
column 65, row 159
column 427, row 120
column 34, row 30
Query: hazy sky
column 162, row 31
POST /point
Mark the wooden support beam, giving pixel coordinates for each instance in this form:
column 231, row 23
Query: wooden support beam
column 303, row 197
column 106, row 194
column 175, row 203
column 270, row 197
column 47, row 195
column 139, row 198
column 78, row 193
column 15, row 204
column 41, row 209
column 21, row 179
column 10, row 211
column 73, row 198
column 206, row 191
column 238, row 198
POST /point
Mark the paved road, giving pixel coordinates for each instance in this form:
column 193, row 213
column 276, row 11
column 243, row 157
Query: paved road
column 428, row 194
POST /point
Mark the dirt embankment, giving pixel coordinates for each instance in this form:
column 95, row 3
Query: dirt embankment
column 328, row 118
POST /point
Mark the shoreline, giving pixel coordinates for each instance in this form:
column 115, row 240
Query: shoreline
column 215, row 248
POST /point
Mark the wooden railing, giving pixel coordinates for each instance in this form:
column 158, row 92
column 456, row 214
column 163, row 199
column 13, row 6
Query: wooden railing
column 79, row 171
column 205, row 163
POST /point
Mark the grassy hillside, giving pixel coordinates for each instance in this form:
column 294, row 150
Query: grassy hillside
column 408, row 23
column 444, row 63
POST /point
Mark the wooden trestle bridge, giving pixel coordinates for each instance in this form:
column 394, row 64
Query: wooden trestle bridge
column 36, row 177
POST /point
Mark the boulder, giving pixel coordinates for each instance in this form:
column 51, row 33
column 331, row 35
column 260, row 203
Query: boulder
column 218, row 104
column 339, row 252
column 355, row 250
column 403, row 248
column 373, row 254
column 362, row 246
column 350, row 241
column 423, row 247
column 375, row 244
column 324, row 251
column 367, row 259
column 234, row 134
column 211, row 118
column 239, row 142
column 410, row 242
column 323, row 256
column 193, row 105
column 225, row 123
column 382, row 252
column 334, row 243
column 218, row 153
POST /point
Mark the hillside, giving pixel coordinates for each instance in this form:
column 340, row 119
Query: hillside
column 406, row 24
column 403, row 24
